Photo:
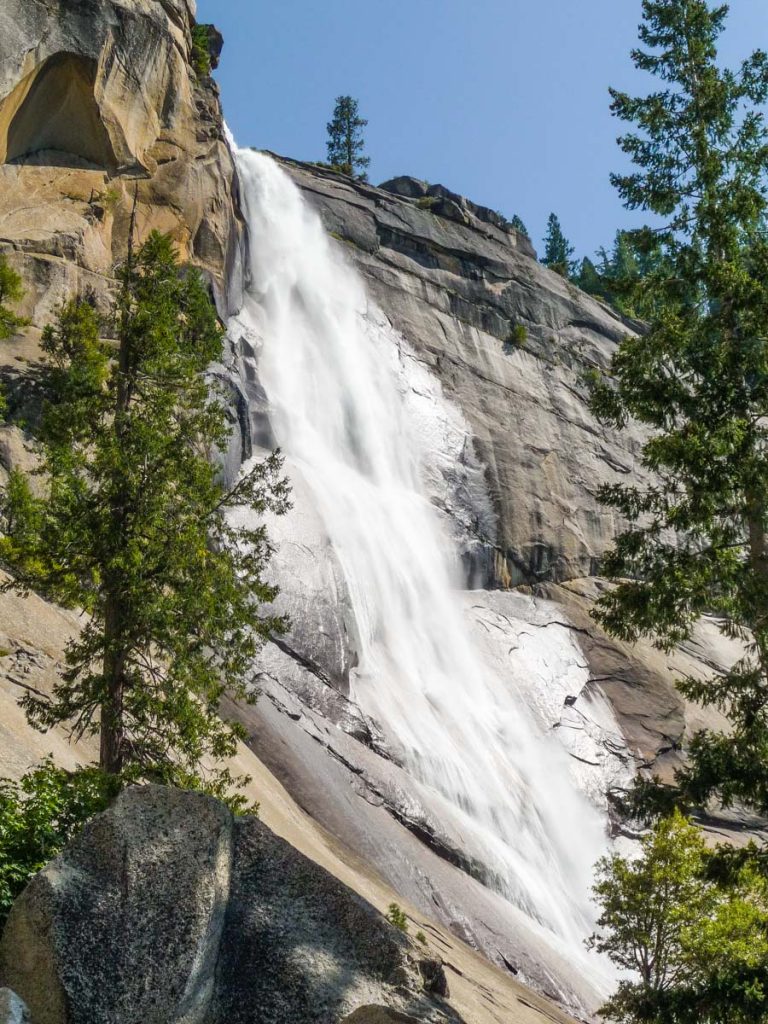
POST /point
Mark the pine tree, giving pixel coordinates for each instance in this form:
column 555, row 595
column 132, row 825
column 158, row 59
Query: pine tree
column 593, row 281
column 617, row 276
column 558, row 252
column 136, row 528
column 345, row 138
column 10, row 291
column 519, row 226
column 697, row 540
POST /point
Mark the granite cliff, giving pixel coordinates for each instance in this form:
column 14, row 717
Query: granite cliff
column 514, row 460
column 101, row 117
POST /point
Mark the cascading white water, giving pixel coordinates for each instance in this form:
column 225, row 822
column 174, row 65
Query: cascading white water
column 328, row 365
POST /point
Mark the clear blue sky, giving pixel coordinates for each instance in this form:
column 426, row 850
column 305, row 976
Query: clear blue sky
column 504, row 101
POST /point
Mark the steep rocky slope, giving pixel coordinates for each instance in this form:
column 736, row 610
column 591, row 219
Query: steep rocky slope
column 32, row 640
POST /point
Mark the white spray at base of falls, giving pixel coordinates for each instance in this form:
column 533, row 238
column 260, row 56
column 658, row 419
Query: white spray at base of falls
column 328, row 366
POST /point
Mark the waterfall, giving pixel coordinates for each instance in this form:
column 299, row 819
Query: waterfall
column 329, row 366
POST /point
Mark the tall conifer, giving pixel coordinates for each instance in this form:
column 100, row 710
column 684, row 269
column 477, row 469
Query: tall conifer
column 135, row 527
column 697, row 541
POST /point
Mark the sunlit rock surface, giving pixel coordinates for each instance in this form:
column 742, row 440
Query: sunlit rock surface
column 99, row 106
column 168, row 909
column 455, row 289
column 472, row 404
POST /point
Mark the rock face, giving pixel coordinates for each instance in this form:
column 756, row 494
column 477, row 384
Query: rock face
column 456, row 282
column 98, row 105
column 12, row 1009
column 100, row 110
column 167, row 909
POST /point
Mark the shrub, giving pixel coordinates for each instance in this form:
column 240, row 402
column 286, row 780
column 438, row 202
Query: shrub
column 201, row 51
column 109, row 198
column 38, row 817
column 518, row 336
column 397, row 917
column 422, row 938
column 427, row 202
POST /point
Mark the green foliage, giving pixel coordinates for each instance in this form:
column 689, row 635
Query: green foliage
column 427, row 202
column 698, row 379
column 422, row 938
column 200, row 55
column 518, row 225
column 558, row 252
column 397, row 917
column 109, row 198
column 618, row 277
column 700, row 949
column 345, row 139
column 518, row 336
column 10, row 291
column 137, row 528
column 39, row 815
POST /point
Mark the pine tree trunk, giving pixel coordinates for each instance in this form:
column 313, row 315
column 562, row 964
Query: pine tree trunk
column 758, row 560
column 112, row 738
column 112, row 735
column 758, row 555
column 758, row 543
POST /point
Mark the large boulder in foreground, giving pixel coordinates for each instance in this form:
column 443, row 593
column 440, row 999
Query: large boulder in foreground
column 169, row 909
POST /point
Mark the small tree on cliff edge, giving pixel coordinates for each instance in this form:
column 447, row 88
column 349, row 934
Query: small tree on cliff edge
column 699, row 379
column 519, row 226
column 558, row 252
column 345, row 138
column 135, row 528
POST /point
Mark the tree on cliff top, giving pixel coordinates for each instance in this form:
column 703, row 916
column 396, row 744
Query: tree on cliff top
column 558, row 252
column 519, row 226
column 616, row 273
column 136, row 528
column 345, row 138
column 698, row 540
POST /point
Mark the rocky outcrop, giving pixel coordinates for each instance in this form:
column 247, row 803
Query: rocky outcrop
column 12, row 1009
column 98, row 104
column 103, row 118
column 168, row 909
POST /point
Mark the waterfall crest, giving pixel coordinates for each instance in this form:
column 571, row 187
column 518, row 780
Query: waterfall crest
column 328, row 365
